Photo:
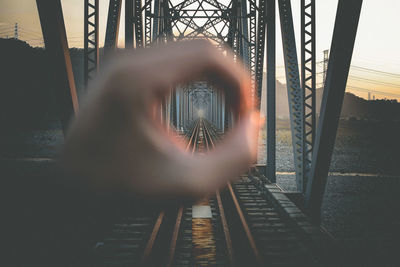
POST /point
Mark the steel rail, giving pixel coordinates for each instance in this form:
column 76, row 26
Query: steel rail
column 178, row 221
column 224, row 221
column 150, row 243
column 245, row 225
column 156, row 229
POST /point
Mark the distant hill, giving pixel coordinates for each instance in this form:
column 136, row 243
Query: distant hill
column 27, row 90
column 381, row 110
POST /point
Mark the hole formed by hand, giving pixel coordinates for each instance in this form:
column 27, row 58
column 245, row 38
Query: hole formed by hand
column 116, row 144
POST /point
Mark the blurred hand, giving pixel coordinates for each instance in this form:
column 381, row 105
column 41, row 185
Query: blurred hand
column 117, row 145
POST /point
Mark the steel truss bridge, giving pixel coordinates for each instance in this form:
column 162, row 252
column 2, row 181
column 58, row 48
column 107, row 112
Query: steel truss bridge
column 247, row 27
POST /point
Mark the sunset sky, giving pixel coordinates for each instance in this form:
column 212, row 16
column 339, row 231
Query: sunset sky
column 376, row 48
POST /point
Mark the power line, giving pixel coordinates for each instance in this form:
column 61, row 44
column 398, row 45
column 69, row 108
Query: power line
column 377, row 71
column 366, row 80
column 370, row 70
column 374, row 81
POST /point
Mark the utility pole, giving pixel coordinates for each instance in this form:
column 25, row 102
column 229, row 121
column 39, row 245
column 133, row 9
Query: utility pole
column 16, row 31
column 325, row 68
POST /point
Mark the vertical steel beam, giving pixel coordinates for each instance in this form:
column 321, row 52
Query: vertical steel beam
column 113, row 19
column 156, row 20
column 167, row 23
column 91, row 39
column 55, row 39
column 173, row 110
column 344, row 35
column 221, row 126
column 295, row 94
column 308, row 81
column 271, row 98
column 128, row 23
column 138, row 23
column 189, row 104
column 178, row 109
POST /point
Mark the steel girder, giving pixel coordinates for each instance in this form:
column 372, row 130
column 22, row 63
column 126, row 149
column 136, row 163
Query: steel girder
column 344, row 34
column 91, row 39
column 308, row 80
column 295, row 94
column 55, row 39
column 112, row 29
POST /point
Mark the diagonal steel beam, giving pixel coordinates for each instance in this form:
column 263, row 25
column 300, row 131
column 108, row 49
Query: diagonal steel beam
column 344, row 35
column 112, row 30
column 55, row 39
column 295, row 94
column 271, row 97
column 308, row 80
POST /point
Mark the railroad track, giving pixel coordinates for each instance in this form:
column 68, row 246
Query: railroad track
column 238, row 226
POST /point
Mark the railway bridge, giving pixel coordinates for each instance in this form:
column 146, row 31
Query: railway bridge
column 253, row 221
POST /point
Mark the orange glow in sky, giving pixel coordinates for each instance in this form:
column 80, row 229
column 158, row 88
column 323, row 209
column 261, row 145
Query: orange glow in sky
column 376, row 44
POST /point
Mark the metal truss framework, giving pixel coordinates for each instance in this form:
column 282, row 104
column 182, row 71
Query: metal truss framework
column 226, row 25
column 232, row 25
column 308, row 81
column 241, row 25
column 91, row 39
